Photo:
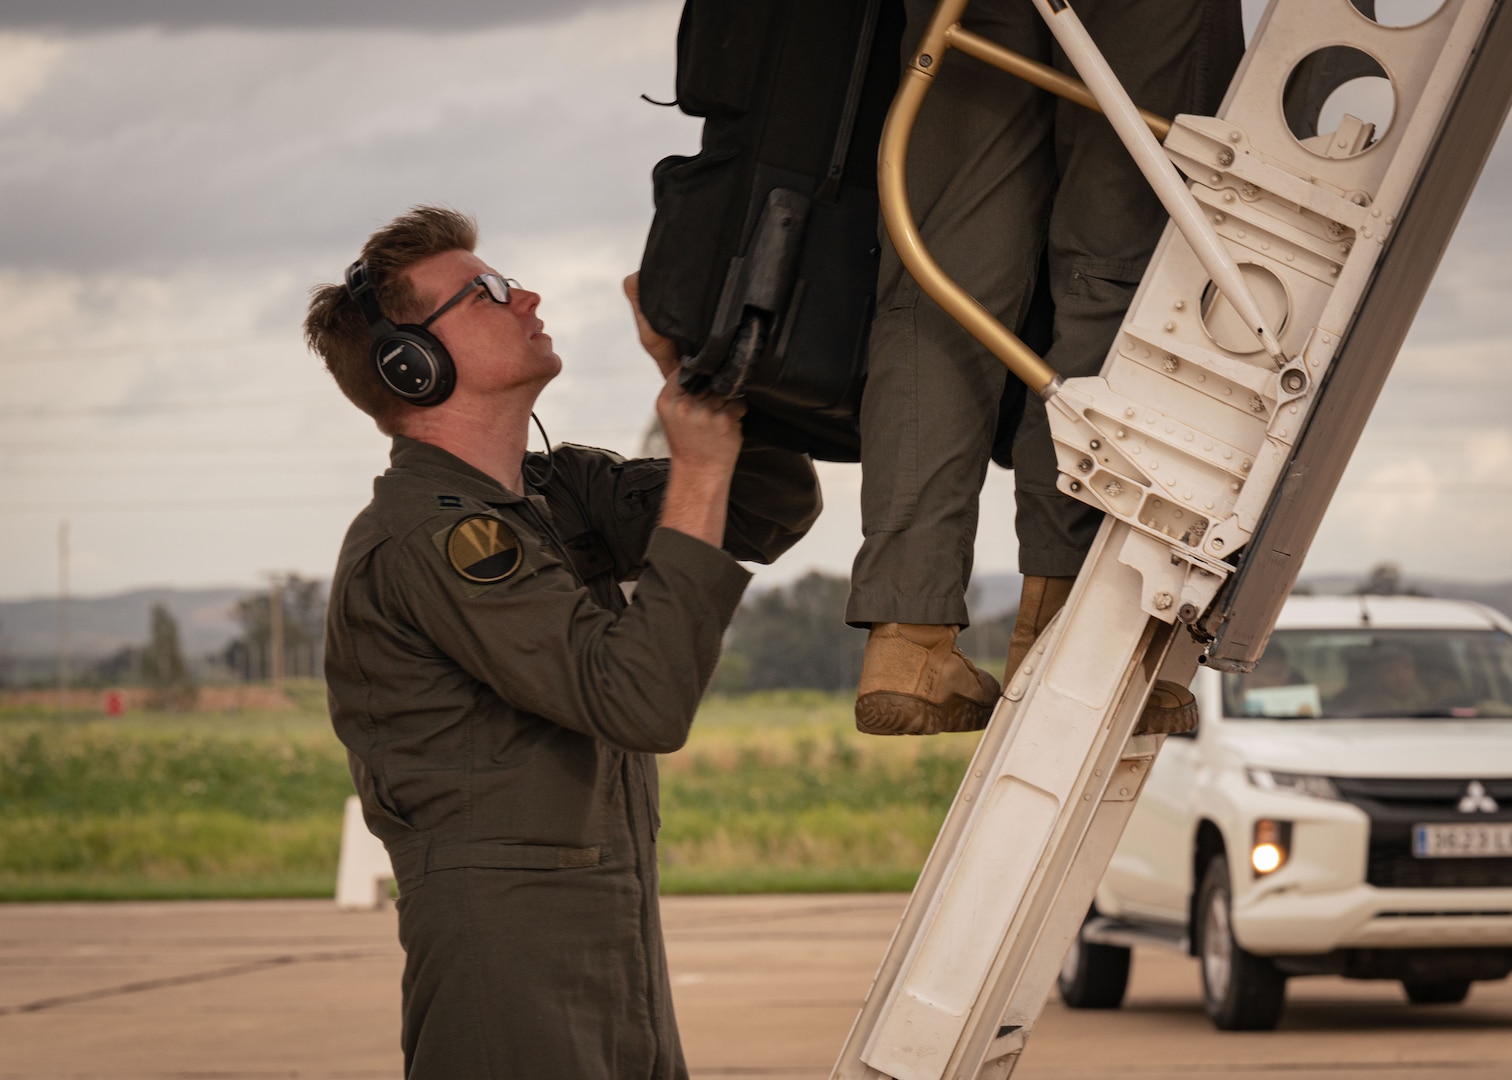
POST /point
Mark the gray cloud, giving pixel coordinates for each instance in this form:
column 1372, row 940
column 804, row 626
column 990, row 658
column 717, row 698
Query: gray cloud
column 445, row 15
column 144, row 149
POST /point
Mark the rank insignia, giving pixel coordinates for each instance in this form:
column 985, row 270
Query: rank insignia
column 483, row 549
column 449, row 502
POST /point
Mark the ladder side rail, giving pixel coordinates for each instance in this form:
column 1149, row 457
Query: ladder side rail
column 1248, row 606
column 1030, row 954
column 1018, row 1004
column 1224, row 455
column 913, row 1020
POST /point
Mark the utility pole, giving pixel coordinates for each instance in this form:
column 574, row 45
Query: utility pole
column 276, row 631
column 63, row 644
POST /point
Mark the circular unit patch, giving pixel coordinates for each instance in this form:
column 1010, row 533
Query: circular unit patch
column 483, row 549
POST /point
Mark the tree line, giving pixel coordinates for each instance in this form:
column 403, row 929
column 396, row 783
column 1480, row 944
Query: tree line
column 796, row 637
column 788, row 637
column 282, row 633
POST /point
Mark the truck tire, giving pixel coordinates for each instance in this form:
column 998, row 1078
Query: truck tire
column 1240, row 991
column 1094, row 976
column 1447, row 992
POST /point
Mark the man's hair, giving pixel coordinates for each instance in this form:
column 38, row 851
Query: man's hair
column 335, row 329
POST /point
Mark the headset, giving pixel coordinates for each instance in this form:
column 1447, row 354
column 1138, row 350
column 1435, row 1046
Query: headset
column 410, row 360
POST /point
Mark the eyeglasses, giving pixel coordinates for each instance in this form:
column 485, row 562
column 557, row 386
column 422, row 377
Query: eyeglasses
column 496, row 287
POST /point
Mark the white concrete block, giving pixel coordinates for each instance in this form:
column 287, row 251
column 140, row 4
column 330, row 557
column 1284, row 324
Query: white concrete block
column 363, row 871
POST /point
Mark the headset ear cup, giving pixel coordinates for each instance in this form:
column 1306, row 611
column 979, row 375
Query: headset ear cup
column 414, row 365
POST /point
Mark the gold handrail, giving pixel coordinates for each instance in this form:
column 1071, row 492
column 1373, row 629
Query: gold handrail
column 943, row 33
column 1041, row 75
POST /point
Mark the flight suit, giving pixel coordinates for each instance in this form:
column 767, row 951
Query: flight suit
column 1001, row 176
column 502, row 705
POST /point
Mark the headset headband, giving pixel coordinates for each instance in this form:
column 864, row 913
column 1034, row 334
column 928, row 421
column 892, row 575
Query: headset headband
column 360, row 289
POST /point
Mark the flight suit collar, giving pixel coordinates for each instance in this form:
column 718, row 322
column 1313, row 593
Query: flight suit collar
column 433, row 463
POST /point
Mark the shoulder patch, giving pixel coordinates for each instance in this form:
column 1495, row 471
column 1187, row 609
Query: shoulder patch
column 483, row 549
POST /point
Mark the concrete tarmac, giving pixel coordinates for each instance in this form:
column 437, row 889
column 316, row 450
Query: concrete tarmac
column 766, row 987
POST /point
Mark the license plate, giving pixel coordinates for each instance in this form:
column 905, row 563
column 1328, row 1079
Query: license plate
column 1462, row 841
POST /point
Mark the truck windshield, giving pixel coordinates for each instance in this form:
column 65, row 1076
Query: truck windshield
column 1349, row 674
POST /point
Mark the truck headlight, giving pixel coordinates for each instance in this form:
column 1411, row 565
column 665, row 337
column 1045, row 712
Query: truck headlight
column 1316, row 787
column 1271, row 846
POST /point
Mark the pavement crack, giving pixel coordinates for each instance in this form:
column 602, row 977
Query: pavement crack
column 211, row 975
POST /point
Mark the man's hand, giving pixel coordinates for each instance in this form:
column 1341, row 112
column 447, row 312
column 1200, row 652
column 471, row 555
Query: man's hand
column 703, row 437
column 662, row 350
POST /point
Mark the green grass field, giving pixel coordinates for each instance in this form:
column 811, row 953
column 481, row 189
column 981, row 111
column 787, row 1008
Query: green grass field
column 774, row 792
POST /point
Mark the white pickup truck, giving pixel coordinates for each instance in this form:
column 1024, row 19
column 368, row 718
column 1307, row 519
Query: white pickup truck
column 1344, row 809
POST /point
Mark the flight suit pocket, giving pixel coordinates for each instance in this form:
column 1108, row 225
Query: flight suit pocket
column 1104, row 281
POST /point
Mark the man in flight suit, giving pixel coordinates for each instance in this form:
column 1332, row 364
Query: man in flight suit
column 1000, row 176
column 500, row 700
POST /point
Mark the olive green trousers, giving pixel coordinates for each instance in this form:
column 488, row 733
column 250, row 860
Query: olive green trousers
column 1002, row 179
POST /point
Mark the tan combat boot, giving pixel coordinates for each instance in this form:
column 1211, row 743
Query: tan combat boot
column 1171, row 709
column 1039, row 600
column 915, row 681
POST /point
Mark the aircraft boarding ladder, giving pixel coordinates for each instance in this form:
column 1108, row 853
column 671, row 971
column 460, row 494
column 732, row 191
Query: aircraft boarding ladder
column 1214, row 438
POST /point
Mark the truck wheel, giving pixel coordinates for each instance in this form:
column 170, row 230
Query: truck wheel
column 1241, row 991
column 1094, row 976
column 1448, row 992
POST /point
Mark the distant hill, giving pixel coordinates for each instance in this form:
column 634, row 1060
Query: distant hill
column 1495, row 594
column 101, row 625
column 996, row 594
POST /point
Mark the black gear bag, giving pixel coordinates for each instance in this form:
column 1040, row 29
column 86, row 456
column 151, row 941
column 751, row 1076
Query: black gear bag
column 761, row 263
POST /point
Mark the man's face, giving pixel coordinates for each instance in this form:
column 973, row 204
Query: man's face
column 1399, row 673
column 494, row 345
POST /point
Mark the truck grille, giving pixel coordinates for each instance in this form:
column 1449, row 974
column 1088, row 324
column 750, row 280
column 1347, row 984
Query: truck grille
column 1401, row 870
column 1396, row 805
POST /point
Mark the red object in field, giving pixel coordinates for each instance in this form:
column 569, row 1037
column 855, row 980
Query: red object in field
column 115, row 705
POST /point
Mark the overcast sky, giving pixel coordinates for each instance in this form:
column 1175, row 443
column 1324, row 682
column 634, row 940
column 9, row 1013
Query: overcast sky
column 176, row 174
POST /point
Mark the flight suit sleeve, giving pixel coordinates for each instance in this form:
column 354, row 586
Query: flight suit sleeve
column 774, row 500
column 632, row 679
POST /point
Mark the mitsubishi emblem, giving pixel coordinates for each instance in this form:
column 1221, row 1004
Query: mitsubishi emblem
column 1477, row 801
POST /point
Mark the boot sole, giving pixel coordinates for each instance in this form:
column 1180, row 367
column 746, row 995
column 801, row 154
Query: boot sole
column 1176, row 714
column 884, row 712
